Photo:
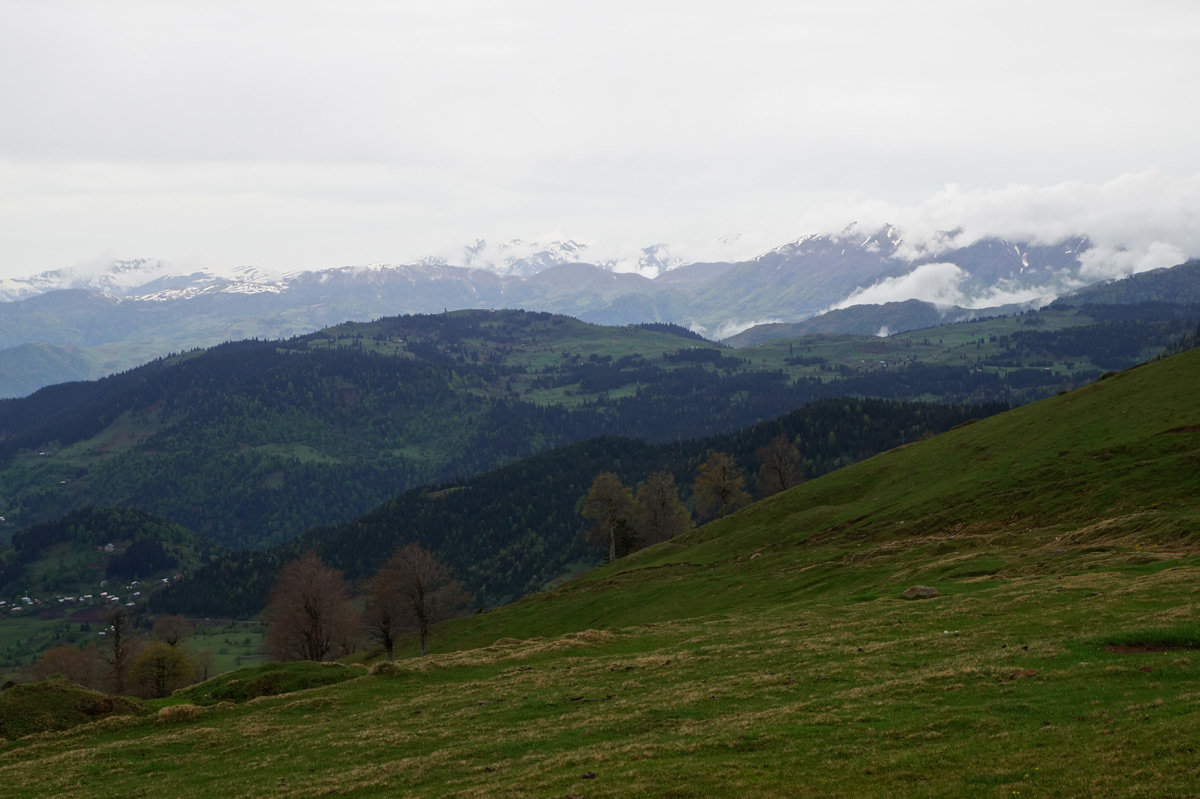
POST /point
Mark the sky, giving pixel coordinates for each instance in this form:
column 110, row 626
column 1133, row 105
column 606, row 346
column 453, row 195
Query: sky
column 299, row 135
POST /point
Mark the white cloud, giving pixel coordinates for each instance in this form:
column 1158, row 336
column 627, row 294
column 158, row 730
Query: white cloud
column 319, row 133
column 732, row 328
column 1108, row 262
column 937, row 283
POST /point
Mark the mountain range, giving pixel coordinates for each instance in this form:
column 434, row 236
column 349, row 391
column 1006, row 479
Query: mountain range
column 74, row 324
column 80, row 323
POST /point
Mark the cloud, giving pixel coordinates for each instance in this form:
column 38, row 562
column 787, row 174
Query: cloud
column 305, row 135
column 1108, row 262
column 1132, row 221
column 728, row 329
column 937, row 283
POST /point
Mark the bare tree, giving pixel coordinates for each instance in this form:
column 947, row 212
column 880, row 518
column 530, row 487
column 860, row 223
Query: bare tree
column 719, row 486
column 659, row 515
column 205, row 663
column 309, row 616
column 118, row 649
column 413, row 591
column 73, row 665
column 172, row 629
column 611, row 504
column 780, row 459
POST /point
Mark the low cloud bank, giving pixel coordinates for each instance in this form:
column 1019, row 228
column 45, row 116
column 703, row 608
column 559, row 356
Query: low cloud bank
column 1135, row 222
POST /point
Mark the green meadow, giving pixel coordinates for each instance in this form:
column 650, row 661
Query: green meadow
column 768, row 653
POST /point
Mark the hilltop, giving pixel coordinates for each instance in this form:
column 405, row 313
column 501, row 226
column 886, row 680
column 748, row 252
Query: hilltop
column 770, row 653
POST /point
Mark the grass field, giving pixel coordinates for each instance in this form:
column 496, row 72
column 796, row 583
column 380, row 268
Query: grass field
column 770, row 653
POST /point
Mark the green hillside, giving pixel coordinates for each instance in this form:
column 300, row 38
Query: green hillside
column 253, row 442
column 512, row 530
column 770, row 653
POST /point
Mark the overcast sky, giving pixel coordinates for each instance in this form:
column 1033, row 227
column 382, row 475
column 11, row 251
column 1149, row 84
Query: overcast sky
column 312, row 134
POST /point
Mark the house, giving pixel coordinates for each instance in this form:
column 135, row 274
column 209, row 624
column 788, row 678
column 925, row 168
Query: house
column 108, row 548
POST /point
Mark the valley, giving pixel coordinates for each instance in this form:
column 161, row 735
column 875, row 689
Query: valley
column 1061, row 540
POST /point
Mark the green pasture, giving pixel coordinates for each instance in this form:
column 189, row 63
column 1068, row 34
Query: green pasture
column 769, row 653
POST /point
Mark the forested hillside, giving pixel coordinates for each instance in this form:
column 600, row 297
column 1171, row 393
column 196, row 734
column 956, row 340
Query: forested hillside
column 512, row 530
column 251, row 443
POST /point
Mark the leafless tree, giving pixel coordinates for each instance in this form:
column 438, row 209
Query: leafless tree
column 172, row 629
column 719, row 486
column 205, row 663
column 412, row 592
column 659, row 515
column 780, row 459
column 118, row 649
column 73, row 665
column 611, row 504
column 308, row 616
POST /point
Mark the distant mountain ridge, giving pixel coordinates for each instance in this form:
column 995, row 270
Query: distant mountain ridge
column 136, row 310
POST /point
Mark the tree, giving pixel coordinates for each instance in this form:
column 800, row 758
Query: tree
column 73, row 665
column 611, row 504
column 779, row 470
column 308, row 614
column 659, row 515
column 172, row 629
column 118, row 649
column 161, row 669
column 719, row 486
column 205, row 663
column 413, row 591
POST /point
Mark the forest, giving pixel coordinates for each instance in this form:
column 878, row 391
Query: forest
column 513, row 530
column 252, row 443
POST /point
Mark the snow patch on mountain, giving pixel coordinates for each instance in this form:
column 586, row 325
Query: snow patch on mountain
column 510, row 258
column 518, row 258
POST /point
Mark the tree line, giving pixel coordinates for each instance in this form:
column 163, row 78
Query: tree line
column 624, row 521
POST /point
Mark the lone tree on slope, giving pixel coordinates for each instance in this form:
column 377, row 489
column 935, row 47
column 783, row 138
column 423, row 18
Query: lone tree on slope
column 719, row 487
column 309, row 615
column 413, row 591
column 659, row 515
column 779, row 470
column 611, row 504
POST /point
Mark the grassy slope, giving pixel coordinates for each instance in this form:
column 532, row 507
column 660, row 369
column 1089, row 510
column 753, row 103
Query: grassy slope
column 696, row 669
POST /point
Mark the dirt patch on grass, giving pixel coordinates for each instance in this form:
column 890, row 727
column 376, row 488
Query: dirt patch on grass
column 1191, row 428
column 93, row 614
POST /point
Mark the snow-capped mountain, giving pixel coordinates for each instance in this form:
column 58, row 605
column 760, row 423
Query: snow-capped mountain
column 142, row 278
column 511, row 258
column 519, row 258
column 152, row 307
